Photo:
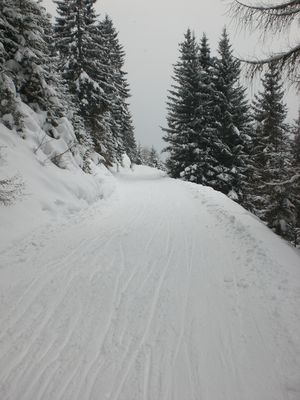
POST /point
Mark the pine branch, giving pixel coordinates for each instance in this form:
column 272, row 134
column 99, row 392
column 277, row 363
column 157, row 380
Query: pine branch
column 293, row 179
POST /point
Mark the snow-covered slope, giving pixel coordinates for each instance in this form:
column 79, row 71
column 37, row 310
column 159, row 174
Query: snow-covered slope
column 48, row 191
column 168, row 291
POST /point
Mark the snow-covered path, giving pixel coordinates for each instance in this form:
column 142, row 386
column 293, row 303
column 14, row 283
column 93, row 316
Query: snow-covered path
column 169, row 291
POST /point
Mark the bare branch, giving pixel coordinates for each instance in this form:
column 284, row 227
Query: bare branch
column 275, row 18
column 288, row 62
column 272, row 7
column 265, row 18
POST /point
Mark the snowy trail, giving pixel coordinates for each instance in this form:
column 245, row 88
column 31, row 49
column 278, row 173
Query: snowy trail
column 168, row 292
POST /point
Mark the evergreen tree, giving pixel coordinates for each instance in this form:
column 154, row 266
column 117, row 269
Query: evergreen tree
column 271, row 178
column 129, row 141
column 150, row 157
column 80, row 50
column 295, row 181
column 296, row 147
column 118, row 93
column 232, row 123
column 154, row 158
column 91, row 61
column 181, row 120
column 27, row 68
column 208, row 144
column 139, row 156
column 205, row 59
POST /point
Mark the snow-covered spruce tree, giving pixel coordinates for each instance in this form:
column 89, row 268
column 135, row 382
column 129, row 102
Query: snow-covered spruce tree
column 118, row 91
column 296, row 147
column 27, row 68
column 150, row 157
column 271, row 184
column 208, row 145
column 180, row 134
column 232, row 123
column 154, row 158
column 295, row 180
column 128, row 136
column 80, row 51
column 139, row 156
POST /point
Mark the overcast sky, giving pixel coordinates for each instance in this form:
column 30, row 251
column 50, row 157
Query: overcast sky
column 150, row 31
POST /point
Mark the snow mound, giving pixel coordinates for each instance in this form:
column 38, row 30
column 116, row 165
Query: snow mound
column 54, row 184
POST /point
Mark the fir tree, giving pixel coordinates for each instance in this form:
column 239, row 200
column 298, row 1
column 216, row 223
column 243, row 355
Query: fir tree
column 91, row 61
column 296, row 147
column 118, row 93
column 139, row 157
column 129, row 141
column 80, row 51
column 208, row 144
column 180, row 134
column 150, row 157
column 272, row 198
column 231, row 123
column 27, row 68
column 295, row 181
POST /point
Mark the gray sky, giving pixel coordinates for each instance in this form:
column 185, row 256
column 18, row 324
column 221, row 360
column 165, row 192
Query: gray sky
column 150, row 31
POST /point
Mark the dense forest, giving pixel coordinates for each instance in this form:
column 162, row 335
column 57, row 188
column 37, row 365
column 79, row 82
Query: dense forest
column 70, row 69
column 215, row 137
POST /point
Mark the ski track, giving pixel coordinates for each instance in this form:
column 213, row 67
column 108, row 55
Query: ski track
column 169, row 293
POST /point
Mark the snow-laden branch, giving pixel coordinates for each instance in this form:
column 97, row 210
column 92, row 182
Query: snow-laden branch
column 293, row 179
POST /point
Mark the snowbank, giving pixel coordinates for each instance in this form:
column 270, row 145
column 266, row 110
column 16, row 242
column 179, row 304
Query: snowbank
column 49, row 191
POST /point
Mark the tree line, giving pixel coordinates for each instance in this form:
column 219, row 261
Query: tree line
column 72, row 68
column 149, row 156
column 216, row 138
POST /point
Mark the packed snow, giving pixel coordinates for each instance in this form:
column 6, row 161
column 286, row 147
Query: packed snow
column 153, row 289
